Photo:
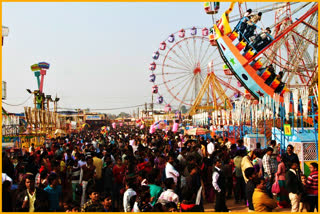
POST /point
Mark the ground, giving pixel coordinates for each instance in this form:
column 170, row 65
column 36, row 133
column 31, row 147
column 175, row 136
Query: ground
column 209, row 207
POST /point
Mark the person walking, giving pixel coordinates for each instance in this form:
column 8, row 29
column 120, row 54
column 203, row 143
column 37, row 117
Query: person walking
column 294, row 186
column 87, row 173
column 218, row 182
column 32, row 199
column 269, row 169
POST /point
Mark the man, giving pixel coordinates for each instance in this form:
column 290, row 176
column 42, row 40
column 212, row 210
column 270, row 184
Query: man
column 260, row 199
column 54, row 191
column 218, row 182
column 171, row 172
column 290, row 157
column 294, row 186
column 269, row 169
column 251, row 25
column 32, row 199
column 128, row 194
column 250, row 186
column 87, row 173
column 243, row 23
column 107, row 202
column 93, row 205
column 210, row 147
column 239, row 192
column 261, row 40
column 97, row 162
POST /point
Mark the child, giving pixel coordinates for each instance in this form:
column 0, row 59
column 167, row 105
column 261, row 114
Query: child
column 303, row 200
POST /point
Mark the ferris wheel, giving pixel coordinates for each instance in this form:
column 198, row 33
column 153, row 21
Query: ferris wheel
column 181, row 64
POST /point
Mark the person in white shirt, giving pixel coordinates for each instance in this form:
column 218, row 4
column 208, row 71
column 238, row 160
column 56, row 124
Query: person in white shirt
column 5, row 177
column 218, row 182
column 171, row 172
column 227, row 143
column 127, row 196
column 210, row 147
column 169, row 195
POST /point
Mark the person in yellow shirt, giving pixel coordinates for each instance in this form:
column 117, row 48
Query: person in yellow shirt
column 98, row 163
column 260, row 199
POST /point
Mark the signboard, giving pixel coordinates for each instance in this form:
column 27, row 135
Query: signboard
column 93, row 117
column 287, row 130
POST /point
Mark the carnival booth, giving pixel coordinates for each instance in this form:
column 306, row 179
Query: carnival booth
column 304, row 143
column 251, row 140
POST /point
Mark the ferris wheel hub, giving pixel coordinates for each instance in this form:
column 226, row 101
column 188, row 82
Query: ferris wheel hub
column 197, row 70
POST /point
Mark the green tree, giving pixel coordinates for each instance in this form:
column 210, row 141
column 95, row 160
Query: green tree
column 183, row 109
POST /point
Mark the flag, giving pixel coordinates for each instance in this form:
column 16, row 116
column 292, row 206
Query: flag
column 223, row 23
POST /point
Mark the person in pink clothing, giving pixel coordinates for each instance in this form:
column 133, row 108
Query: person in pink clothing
column 283, row 198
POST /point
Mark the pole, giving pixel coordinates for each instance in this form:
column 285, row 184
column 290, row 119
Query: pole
column 152, row 105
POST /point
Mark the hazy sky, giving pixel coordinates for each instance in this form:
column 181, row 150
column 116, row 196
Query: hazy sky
column 99, row 53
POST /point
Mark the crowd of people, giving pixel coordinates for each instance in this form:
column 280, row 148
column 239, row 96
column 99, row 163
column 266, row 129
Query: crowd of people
column 128, row 169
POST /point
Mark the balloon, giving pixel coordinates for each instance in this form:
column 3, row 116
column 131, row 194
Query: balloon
column 152, row 129
column 142, row 126
column 175, row 127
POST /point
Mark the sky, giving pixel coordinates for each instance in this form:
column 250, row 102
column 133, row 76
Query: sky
column 99, row 53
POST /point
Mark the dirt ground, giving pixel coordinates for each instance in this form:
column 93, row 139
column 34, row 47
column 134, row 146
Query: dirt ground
column 233, row 207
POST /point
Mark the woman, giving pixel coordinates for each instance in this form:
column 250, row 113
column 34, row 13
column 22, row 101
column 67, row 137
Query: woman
column 282, row 198
column 118, row 174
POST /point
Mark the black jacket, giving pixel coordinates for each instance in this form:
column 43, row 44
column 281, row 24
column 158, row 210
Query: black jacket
column 41, row 203
column 293, row 183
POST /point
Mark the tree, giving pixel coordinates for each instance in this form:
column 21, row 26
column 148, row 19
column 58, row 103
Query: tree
column 184, row 109
column 124, row 115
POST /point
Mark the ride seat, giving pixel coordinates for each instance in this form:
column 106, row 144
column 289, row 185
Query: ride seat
column 275, row 83
column 266, row 74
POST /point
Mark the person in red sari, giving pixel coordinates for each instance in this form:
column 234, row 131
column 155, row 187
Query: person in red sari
column 118, row 174
column 283, row 197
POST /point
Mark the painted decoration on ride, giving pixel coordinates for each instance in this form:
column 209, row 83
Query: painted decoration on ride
column 287, row 130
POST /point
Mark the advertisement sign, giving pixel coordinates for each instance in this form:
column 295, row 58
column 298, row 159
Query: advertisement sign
column 93, row 117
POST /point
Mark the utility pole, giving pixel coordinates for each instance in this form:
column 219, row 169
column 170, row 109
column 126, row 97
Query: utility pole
column 146, row 109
